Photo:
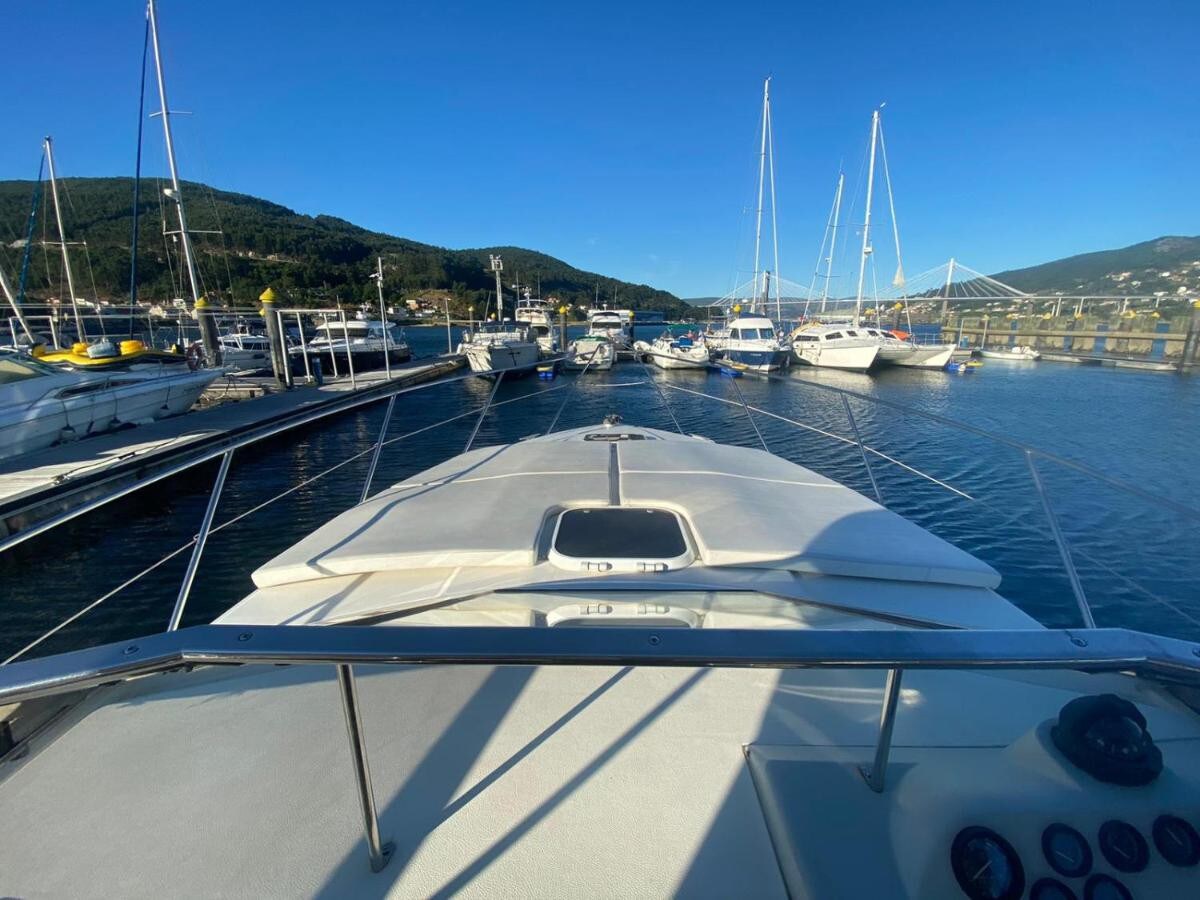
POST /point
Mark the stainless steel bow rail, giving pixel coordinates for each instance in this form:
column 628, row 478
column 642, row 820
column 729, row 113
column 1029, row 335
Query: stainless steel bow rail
column 1093, row 650
column 225, row 453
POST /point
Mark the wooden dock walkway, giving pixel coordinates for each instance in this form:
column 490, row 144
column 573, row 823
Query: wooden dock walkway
column 34, row 487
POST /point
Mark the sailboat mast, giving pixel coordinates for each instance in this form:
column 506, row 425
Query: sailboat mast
column 898, row 279
column 379, row 287
column 176, row 194
column 774, row 221
column 48, row 144
column 833, row 230
column 762, row 171
column 866, row 241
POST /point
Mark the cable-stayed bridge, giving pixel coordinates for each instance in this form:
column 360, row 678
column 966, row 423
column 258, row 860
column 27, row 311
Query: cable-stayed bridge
column 951, row 284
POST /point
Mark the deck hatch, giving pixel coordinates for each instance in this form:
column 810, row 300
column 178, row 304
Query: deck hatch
column 619, row 538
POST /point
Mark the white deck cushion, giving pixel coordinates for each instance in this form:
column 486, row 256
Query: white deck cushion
column 749, row 508
column 743, row 507
column 484, row 508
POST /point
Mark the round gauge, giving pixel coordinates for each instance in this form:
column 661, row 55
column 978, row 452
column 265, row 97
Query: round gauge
column 1050, row 889
column 1176, row 840
column 986, row 866
column 1104, row 887
column 1123, row 846
column 1067, row 851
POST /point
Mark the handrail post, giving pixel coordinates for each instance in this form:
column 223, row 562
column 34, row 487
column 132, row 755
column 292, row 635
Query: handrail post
column 483, row 412
column 862, row 450
column 378, row 852
column 201, row 539
column 349, row 352
column 876, row 775
column 387, row 419
column 308, row 376
column 329, row 344
column 1064, row 551
column 285, row 358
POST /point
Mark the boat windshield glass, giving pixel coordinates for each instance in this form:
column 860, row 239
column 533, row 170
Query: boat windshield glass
column 14, row 368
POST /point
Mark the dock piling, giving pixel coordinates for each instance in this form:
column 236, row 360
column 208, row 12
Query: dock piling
column 275, row 338
column 208, row 332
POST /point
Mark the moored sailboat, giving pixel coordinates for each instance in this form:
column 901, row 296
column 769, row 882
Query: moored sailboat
column 893, row 351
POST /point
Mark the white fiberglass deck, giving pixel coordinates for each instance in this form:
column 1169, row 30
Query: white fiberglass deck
column 526, row 782
column 583, row 781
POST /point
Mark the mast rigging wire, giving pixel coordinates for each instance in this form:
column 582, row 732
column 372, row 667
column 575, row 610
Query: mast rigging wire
column 33, row 208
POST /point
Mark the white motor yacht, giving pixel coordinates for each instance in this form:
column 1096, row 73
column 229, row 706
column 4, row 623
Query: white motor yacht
column 592, row 352
column 506, row 346
column 361, row 343
column 834, row 347
column 41, row 405
column 669, row 351
column 537, row 314
column 242, row 351
column 672, row 668
column 615, row 324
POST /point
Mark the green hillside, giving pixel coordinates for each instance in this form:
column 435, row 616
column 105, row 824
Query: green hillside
column 1164, row 264
column 309, row 260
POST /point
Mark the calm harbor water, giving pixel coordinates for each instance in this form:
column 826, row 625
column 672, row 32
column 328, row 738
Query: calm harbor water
column 1136, row 560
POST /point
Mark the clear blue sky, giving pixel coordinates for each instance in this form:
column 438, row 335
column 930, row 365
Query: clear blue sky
column 622, row 138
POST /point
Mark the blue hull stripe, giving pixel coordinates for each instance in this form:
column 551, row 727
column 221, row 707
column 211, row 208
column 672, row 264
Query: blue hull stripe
column 757, row 358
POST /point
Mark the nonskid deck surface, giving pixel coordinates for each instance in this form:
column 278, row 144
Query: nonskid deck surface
column 491, row 782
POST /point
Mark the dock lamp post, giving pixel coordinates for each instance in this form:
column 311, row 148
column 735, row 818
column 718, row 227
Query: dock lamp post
column 562, row 326
column 497, row 268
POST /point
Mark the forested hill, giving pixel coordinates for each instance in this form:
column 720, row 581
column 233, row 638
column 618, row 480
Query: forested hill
column 1164, row 264
column 310, row 260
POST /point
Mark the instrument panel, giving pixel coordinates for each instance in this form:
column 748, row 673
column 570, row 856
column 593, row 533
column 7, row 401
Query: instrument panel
column 988, row 867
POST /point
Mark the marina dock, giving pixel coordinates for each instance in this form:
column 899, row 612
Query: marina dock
column 62, row 478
